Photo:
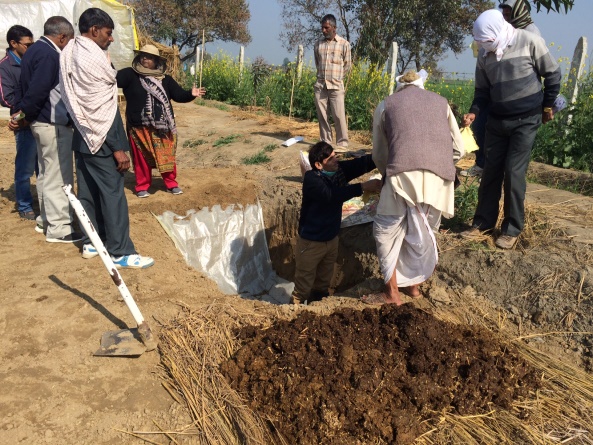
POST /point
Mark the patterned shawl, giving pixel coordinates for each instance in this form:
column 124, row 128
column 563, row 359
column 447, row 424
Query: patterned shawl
column 157, row 110
column 520, row 14
column 89, row 89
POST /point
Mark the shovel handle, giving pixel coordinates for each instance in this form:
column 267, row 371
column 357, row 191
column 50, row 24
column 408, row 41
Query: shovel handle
column 98, row 244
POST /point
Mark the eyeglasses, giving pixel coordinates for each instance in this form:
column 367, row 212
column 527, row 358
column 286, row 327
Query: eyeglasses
column 26, row 45
column 148, row 56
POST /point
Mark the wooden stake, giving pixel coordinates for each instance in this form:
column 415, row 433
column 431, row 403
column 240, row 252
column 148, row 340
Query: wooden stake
column 291, row 95
column 203, row 51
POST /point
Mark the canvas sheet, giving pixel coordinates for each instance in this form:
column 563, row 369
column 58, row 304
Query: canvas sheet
column 229, row 246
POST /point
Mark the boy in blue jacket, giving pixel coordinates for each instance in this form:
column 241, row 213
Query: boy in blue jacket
column 325, row 189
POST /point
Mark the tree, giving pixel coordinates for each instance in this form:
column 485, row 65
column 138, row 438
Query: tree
column 182, row 21
column 302, row 20
column 424, row 29
column 554, row 5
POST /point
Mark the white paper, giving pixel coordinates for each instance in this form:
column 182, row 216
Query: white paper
column 292, row 141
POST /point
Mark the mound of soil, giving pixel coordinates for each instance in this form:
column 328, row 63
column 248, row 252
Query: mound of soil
column 373, row 375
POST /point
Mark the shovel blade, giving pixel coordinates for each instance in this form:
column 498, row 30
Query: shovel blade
column 122, row 343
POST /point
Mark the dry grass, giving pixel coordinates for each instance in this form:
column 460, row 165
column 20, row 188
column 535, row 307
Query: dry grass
column 560, row 412
column 538, row 231
column 192, row 346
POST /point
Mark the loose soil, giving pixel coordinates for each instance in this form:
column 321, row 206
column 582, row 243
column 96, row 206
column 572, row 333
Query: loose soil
column 54, row 306
column 373, row 375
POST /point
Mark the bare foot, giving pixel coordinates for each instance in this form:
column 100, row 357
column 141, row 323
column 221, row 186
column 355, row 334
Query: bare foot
column 381, row 298
column 412, row 291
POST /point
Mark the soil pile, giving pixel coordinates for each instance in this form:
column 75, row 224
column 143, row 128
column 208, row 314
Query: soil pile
column 373, row 375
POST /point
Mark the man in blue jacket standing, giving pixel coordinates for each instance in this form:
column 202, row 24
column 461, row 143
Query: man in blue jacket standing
column 325, row 189
column 42, row 104
column 19, row 39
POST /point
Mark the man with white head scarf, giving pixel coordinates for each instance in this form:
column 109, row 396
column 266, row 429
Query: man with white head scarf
column 516, row 12
column 509, row 69
column 416, row 142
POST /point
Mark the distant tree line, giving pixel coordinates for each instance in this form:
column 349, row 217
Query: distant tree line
column 424, row 29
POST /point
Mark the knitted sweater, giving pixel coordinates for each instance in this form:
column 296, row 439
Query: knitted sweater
column 512, row 86
column 418, row 133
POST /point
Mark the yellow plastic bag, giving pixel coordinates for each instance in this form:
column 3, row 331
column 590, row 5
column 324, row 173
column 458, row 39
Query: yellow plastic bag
column 469, row 142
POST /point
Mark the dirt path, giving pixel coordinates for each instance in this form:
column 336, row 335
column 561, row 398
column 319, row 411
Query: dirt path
column 54, row 305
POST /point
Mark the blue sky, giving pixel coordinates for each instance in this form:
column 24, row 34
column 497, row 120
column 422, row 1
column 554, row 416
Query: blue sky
column 563, row 30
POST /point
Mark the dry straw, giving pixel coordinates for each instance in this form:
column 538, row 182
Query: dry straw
column 192, row 347
column 560, row 412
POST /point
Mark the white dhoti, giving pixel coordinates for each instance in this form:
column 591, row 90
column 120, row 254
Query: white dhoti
column 408, row 214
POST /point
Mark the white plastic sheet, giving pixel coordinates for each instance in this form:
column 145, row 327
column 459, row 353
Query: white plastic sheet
column 230, row 247
column 32, row 14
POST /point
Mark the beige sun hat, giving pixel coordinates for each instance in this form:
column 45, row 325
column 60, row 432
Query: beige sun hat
column 149, row 49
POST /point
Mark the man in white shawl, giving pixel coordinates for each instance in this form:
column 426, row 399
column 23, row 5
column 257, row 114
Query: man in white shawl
column 416, row 142
column 89, row 90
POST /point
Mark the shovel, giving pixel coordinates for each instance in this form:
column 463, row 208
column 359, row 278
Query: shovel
column 125, row 342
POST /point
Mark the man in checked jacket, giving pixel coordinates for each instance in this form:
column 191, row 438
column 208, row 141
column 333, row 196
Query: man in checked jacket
column 332, row 59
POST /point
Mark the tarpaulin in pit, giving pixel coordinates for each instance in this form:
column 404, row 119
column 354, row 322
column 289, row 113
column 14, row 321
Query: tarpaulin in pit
column 230, row 247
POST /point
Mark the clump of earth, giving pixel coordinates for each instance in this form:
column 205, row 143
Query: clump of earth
column 374, row 375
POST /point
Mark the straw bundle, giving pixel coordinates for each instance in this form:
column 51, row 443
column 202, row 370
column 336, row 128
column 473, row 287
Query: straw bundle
column 192, row 346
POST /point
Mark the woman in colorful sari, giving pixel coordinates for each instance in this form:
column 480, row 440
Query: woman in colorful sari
column 150, row 120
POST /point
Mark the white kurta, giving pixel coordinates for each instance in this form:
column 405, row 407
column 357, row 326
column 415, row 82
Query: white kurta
column 409, row 211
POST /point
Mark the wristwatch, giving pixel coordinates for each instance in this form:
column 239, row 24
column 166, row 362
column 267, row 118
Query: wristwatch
column 547, row 109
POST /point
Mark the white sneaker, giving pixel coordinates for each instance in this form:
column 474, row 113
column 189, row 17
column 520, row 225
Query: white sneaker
column 474, row 170
column 89, row 251
column 134, row 261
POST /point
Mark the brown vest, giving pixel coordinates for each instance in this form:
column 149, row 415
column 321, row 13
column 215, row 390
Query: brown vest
column 418, row 133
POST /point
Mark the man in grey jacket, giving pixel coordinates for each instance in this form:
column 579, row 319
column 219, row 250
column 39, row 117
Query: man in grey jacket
column 509, row 69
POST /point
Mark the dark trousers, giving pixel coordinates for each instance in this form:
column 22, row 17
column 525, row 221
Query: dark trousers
column 101, row 193
column 479, row 130
column 508, row 147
